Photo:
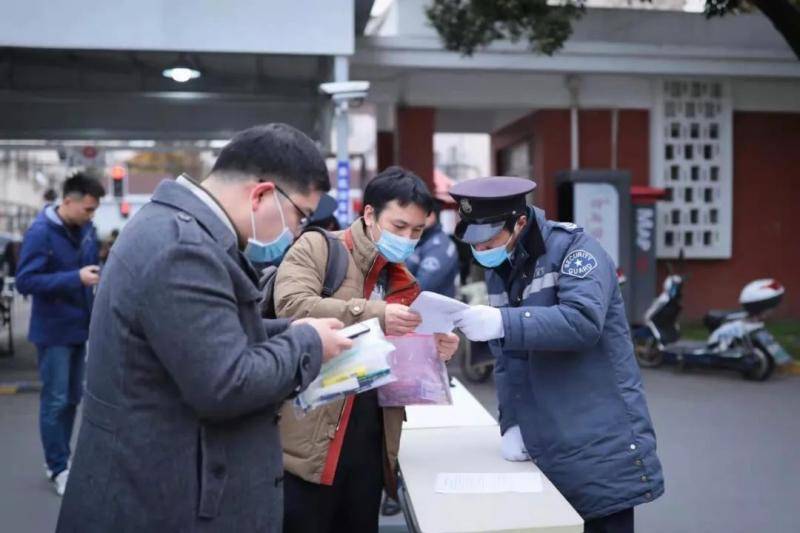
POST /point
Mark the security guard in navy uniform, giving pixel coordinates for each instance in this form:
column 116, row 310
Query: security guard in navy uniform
column 434, row 262
column 570, row 391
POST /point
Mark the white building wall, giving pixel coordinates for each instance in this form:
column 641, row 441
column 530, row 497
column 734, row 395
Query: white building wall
column 324, row 27
column 25, row 175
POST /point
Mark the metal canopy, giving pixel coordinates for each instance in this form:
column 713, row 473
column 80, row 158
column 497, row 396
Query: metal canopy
column 73, row 94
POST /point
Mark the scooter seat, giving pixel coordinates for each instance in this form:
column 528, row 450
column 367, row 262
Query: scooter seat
column 716, row 317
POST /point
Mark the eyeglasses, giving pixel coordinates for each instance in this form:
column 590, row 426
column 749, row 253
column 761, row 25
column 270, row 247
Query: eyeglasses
column 305, row 218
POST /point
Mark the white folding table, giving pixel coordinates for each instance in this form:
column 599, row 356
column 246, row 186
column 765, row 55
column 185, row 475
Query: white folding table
column 464, row 438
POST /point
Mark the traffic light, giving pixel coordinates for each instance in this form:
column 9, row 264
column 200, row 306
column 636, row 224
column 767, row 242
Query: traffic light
column 119, row 175
column 124, row 209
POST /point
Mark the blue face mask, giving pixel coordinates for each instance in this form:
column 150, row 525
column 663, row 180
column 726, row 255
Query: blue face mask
column 493, row 257
column 394, row 248
column 269, row 252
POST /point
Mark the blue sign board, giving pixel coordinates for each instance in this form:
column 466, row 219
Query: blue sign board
column 343, row 193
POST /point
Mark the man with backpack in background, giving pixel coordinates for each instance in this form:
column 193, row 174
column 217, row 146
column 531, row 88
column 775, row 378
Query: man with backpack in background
column 339, row 457
column 58, row 267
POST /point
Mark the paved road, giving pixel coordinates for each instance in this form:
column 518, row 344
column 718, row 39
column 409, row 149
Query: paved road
column 730, row 449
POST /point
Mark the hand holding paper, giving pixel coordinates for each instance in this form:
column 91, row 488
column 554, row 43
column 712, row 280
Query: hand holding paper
column 400, row 320
column 446, row 345
column 437, row 312
column 481, row 323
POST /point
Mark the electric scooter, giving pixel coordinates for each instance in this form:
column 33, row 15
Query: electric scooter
column 738, row 339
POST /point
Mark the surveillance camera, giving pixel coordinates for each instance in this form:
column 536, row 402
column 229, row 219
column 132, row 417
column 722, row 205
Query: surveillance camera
column 345, row 91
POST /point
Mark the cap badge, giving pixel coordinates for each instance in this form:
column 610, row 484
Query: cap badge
column 466, row 207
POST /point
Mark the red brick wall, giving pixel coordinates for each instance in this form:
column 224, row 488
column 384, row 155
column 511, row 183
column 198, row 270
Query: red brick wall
column 551, row 153
column 415, row 128
column 766, row 192
column 521, row 130
column 633, row 144
column 385, row 148
column 549, row 149
column 594, row 136
column 549, row 134
column 766, row 199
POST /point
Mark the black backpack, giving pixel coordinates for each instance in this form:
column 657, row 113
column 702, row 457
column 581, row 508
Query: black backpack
column 335, row 272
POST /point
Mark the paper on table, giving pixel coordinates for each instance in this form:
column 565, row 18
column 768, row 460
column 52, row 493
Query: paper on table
column 491, row 483
column 438, row 312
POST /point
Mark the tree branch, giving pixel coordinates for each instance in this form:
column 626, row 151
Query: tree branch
column 785, row 16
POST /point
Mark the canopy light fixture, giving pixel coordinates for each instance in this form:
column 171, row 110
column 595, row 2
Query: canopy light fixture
column 182, row 71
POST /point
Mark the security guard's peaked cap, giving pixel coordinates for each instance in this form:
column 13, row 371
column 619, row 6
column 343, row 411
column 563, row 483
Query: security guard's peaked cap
column 486, row 204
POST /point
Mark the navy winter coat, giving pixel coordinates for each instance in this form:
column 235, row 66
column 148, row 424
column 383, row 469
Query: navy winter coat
column 566, row 372
column 51, row 257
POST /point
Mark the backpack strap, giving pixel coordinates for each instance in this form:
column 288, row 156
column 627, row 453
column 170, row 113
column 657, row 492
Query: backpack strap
column 336, row 264
column 266, row 285
column 335, row 272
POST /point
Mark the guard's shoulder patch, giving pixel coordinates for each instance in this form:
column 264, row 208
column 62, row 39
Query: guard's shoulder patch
column 578, row 264
column 568, row 226
column 430, row 263
column 189, row 231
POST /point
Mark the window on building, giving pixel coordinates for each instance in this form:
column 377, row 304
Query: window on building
column 516, row 160
column 462, row 156
column 692, row 156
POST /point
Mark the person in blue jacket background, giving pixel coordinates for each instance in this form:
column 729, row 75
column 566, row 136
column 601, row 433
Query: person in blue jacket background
column 435, row 260
column 58, row 266
column 569, row 388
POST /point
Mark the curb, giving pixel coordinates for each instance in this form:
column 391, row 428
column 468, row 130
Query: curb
column 793, row 369
column 17, row 387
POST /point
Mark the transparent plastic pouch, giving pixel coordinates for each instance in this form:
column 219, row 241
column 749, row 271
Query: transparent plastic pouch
column 363, row 367
column 420, row 376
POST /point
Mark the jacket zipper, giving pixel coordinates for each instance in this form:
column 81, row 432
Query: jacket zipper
column 341, row 414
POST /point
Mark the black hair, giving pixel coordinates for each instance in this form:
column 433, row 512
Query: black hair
column 511, row 222
column 81, row 184
column 276, row 152
column 50, row 195
column 397, row 183
column 331, row 223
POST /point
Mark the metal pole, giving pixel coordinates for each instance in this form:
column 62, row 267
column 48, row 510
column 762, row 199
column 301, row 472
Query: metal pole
column 573, row 84
column 614, row 137
column 341, row 67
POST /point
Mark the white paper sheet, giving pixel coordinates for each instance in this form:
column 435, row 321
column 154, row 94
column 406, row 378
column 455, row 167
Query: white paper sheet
column 491, row 483
column 438, row 312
